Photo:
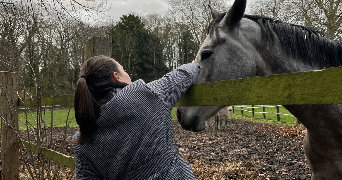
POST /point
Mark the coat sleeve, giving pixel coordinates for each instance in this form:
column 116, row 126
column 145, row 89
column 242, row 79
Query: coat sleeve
column 171, row 87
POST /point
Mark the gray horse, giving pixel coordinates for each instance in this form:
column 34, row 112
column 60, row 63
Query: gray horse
column 222, row 116
column 240, row 46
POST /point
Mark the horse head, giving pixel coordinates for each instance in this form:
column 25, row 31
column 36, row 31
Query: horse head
column 240, row 46
column 230, row 51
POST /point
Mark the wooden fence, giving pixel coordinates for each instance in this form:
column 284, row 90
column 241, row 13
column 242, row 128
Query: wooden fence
column 314, row 87
column 9, row 138
column 251, row 109
column 66, row 100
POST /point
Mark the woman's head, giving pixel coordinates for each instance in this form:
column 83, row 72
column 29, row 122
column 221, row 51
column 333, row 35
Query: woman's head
column 104, row 69
column 99, row 75
column 121, row 75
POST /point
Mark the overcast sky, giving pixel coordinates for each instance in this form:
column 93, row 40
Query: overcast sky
column 114, row 9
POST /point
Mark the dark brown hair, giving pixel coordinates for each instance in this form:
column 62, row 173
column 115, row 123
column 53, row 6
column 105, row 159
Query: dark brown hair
column 93, row 90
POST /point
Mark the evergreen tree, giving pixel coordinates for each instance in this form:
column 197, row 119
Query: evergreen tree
column 137, row 50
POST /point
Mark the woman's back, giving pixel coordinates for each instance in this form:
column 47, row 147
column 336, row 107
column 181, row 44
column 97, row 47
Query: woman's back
column 133, row 137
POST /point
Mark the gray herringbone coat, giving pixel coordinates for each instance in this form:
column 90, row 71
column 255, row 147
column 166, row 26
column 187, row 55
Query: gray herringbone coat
column 134, row 137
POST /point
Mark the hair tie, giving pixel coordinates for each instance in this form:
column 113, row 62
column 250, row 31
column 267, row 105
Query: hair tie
column 83, row 77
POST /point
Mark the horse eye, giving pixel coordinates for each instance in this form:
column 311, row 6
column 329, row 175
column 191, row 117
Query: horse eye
column 206, row 54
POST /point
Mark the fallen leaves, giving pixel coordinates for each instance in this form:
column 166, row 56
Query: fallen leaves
column 244, row 150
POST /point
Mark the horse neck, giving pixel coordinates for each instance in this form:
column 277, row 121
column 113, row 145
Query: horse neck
column 316, row 53
column 312, row 116
column 317, row 117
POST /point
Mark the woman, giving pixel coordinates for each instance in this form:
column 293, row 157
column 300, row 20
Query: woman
column 125, row 129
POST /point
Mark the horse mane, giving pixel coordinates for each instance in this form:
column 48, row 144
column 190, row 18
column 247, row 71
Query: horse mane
column 301, row 42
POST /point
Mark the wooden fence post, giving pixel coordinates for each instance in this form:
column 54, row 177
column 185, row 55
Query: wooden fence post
column 264, row 111
column 9, row 126
column 241, row 110
column 253, row 110
column 278, row 114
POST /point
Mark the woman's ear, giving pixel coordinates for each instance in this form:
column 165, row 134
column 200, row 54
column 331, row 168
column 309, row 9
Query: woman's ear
column 116, row 77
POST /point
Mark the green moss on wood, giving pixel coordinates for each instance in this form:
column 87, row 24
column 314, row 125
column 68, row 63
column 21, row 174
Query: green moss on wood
column 55, row 156
column 314, row 87
column 66, row 100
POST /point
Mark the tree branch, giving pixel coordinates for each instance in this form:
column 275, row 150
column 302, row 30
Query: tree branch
column 2, row 2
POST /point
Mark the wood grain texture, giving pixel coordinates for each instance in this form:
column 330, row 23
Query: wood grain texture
column 9, row 126
column 66, row 100
column 313, row 87
column 55, row 156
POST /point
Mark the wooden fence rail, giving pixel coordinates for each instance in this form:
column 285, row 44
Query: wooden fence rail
column 55, row 156
column 251, row 109
column 314, row 87
column 65, row 100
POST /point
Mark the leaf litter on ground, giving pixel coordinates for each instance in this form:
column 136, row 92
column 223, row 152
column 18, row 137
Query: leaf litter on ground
column 239, row 150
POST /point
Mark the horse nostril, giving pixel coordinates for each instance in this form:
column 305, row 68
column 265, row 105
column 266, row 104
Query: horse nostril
column 179, row 117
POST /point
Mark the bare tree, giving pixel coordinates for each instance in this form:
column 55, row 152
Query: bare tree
column 13, row 32
column 277, row 9
column 196, row 14
column 324, row 15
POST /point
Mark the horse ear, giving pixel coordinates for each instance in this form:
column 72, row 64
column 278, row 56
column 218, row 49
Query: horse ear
column 235, row 13
column 214, row 13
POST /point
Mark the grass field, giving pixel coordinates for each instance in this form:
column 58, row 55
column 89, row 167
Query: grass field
column 60, row 116
column 286, row 119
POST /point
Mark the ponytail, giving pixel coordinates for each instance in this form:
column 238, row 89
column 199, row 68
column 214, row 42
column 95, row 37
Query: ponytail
column 84, row 111
column 93, row 90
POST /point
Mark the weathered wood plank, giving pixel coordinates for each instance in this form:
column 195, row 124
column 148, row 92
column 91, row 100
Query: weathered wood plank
column 314, row 87
column 55, row 156
column 9, row 126
column 66, row 100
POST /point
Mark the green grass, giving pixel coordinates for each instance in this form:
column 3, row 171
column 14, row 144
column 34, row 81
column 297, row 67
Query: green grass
column 174, row 115
column 271, row 115
column 59, row 118
column 262, row 121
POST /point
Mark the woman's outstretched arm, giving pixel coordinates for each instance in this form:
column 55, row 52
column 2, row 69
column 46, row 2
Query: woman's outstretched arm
column 172, row 86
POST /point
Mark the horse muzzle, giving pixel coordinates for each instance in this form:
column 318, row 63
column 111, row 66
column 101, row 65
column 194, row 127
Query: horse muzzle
column 188, row 122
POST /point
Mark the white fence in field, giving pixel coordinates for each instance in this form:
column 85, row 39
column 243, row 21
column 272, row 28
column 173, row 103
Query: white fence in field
column 251, row 109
